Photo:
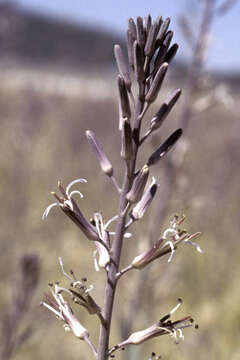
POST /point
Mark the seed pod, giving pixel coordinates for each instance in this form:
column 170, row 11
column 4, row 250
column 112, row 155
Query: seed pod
column 165, row 147
column 123, row 98
column 140, row 208
column 105, row 164
column 139, row 183
column 122, row 65
column 171, row 53
column 127, row 148
column 164, row 110
column 156, row 84
column 138, row 62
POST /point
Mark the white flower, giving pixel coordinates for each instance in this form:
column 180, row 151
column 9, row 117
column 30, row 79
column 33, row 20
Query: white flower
column 64, row 312
column 67, row 197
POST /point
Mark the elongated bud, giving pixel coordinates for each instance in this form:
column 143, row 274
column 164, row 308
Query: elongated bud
column 163, row 30
column 132, row 28
column 151, row 40
column 122, row 65
column 165, row 147
column 127, row 145
column 140, row 261
column 123, row 98
column 140, row 32
column 105, row 164
column 139, row 209
column 130, row 42
column 171, row 53
column 138, row 62
column 141, row 336
column 160, row 58
column 164, row 110
column 147, row 23
column 139, row 183
column 78, row 218
column 156, row 84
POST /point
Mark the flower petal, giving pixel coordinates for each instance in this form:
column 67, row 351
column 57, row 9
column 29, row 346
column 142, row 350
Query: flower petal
column 74, row 182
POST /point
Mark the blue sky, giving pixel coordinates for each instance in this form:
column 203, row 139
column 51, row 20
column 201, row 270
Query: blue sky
column 224, row 51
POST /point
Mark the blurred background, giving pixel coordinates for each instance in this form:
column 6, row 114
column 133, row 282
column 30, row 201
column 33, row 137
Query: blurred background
column 58, row 79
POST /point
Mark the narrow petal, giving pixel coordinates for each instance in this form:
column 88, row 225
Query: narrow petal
column 74, row 182
column 47, row 210
column 197, row 247
column 170, row 243
column 76, row 192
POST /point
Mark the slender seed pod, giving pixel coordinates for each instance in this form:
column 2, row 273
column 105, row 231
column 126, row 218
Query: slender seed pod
column 139, row 183
column 122, row 65
column 105, row 164
column 156, row 84
column 165, row 147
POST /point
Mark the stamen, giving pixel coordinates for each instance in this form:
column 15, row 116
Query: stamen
column 62, row 268
column 47, row 210
column 49, row 307
column 176, row 307
column 74, row 182
column 114, row 218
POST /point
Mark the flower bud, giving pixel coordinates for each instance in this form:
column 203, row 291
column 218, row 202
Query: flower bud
column 132, row 28
column 122, row 65
column 140, row 32
column 127, row 148
column 171, row 53
column 148, row 256
column 123, row 99
column 139, row 183
column 164, row 110
column 139, row 209
column 138, row 62
column 165, row 147
column 105, row 164
column 151, row 39
column 163, row 30
column 156, row 84
column 130, row 41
